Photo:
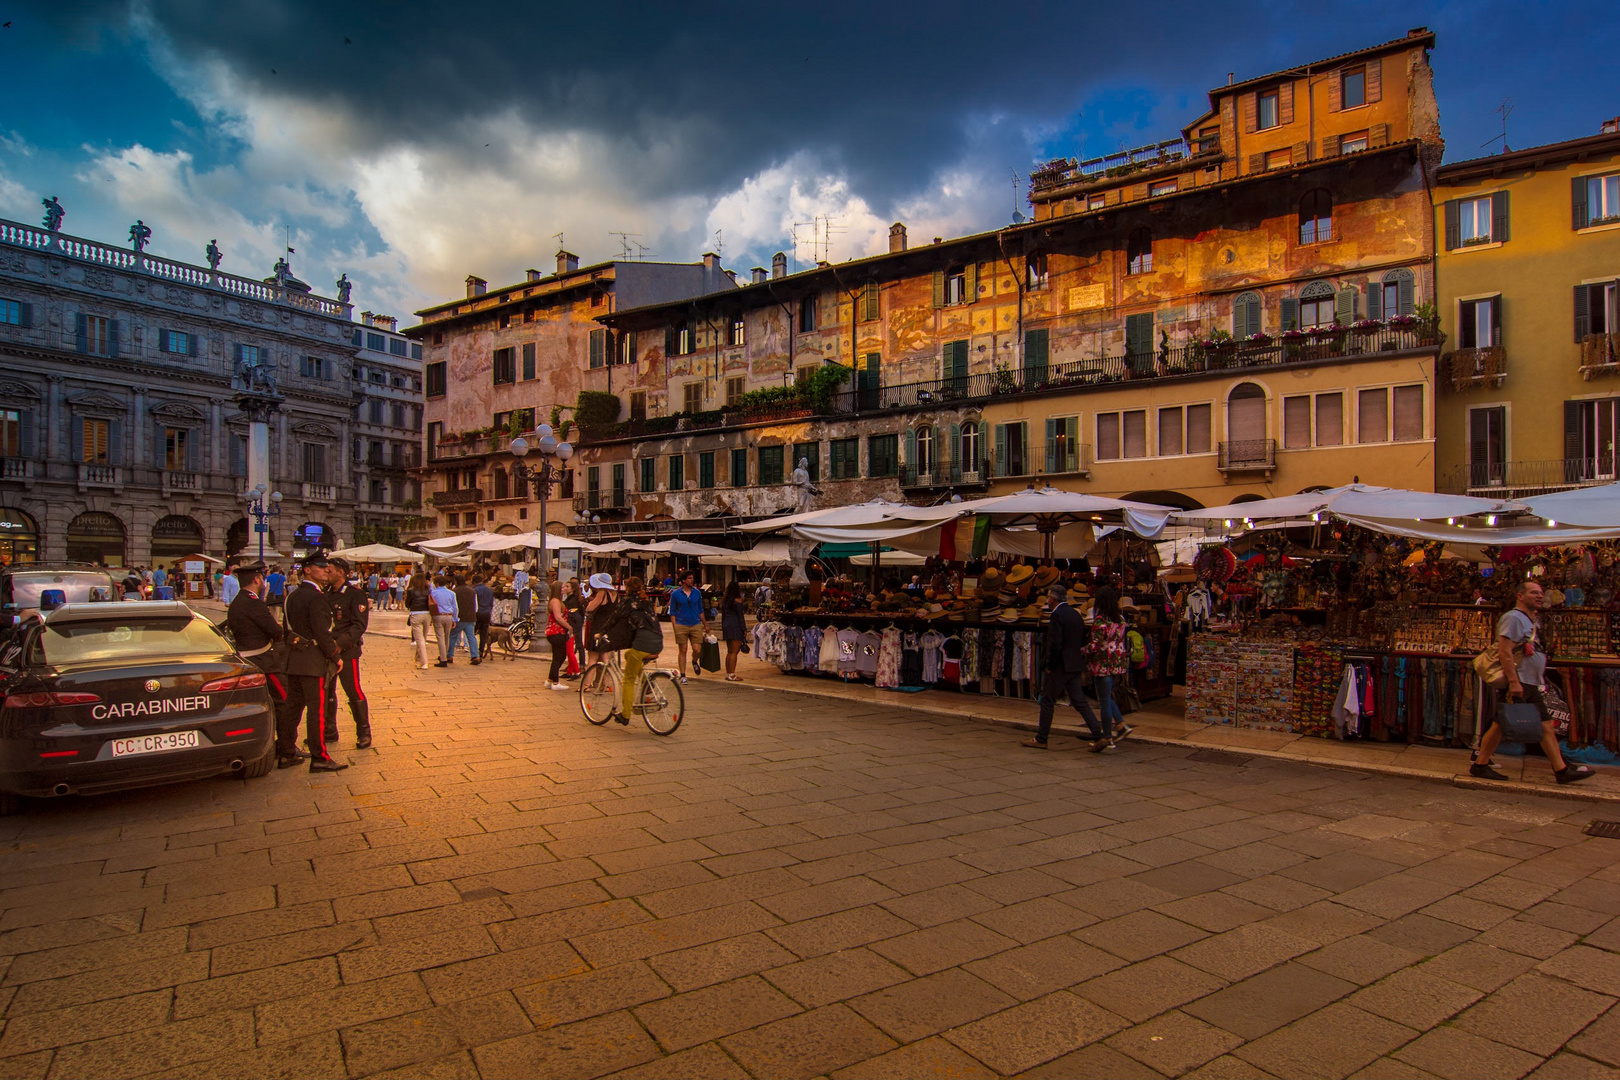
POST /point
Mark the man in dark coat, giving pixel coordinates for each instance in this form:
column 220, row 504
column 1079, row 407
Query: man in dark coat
column 313, row 657
column 351, row 610
column 257, row 632
column 1064, row 666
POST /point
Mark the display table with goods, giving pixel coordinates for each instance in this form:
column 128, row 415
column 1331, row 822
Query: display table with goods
column 1373, row 637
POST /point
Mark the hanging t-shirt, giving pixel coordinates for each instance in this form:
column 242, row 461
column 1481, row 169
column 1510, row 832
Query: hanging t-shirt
column 829, row 651
column 848, row 640
column 866, row 660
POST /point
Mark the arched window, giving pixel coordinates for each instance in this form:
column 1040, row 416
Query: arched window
column 1246, row 315
column 1394, row 295
column 1139, row 251
column 925, row 449
column 1316, row 305
column 1246, row 414
column 1316, row 217
column 969, row 447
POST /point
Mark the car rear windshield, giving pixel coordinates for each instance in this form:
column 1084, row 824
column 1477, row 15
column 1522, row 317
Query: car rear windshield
column 116, row 639
column 76, row 588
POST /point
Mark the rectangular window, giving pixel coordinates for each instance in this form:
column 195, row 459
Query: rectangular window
column 312, row 367
column 680, row 340
column 1036, row 271
column 770, row 465
column 1487, row 446
column 1135, row 433
column 625, row 349
column 803, row 373
column 1171, row 432
column 504, row 320
column 376, row 411
column 435, row 379
column 1589, row 439
column 1372, row 416
column 10, row 433
column 593, row 487
column 1603, row 199
column 956, row 291
column 1479, row 323
column 619, row 498
column 649, row 474
column 807, row 314
column 376, row 342
column 1096, row 202
column 97, row 335
column 739, row 330
column 1122, row 435
column 96, row 445
column 528, row 361
column 396, row 346
column 1279, row 159
column 1297, row 422
column 1037, row 354
column 694, row 397
column 1330, row 419
column 1353, row 143
column 1062, row 444
column 810, row 454
column 1408, row 413
column 1012, row 449
column 677, row 473
column 174, row 341
column 314, row 462
column 846, row 458
column 1108, row 436
column 248, row 354
column 1199, row 428
column 736, row 386
column 598, row 349
column 739, row 466
column 638, row 405
column 883, row 455
column 1162, row 187
column 1474, row 221
column 380, row 378
column 416, row 352
column 11, row 313
column 1270, row 114
column 505, row 366
column 1352, row 87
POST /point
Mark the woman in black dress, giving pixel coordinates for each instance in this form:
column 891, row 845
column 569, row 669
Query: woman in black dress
column 733, row 627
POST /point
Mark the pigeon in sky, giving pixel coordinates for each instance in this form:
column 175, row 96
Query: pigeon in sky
column 272, row 71
column 346, row 41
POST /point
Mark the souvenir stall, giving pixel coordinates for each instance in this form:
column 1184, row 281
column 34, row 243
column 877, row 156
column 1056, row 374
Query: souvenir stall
column 1363, row 621
column 976, row 622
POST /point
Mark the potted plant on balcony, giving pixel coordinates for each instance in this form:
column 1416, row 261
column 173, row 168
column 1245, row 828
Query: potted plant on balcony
column 1219, row 348
column 1005, row 382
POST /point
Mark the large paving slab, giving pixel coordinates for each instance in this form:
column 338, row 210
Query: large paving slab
column 797, row 885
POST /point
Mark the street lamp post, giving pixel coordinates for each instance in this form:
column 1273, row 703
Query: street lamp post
column 544, row 476
column 262, row 505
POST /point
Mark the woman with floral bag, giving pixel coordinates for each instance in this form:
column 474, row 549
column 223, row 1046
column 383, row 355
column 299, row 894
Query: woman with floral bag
column 1109, row 661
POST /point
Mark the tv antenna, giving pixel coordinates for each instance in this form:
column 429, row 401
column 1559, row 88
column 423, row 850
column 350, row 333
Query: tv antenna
column 719, row 242
column 824, row 252
column 1504, row 109
column 559, row 239
column 1018, row 217
column 627, row 242
column 793, row 232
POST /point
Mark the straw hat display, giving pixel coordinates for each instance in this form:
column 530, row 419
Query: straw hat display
column 1045, row 577
column 1020, row 574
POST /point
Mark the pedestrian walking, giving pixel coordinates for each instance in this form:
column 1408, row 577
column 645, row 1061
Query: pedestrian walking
column 483, row 610
column 442, row 599
column 1519, row 651
column 733, row 627
column 575, row 603
column 1063, row 667
column 351, row 608
column 419, row 616
column 520, row 586
column 558, row 637
column 466, row 619
column 373, row 586
column 396, row 587
column 688, row 620
column 1109, row 662
column 232, row 584
column 261, row 638
column 275, row 584
column 312, row 657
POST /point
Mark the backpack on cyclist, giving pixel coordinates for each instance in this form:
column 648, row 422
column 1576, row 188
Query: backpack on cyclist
column 648, row 635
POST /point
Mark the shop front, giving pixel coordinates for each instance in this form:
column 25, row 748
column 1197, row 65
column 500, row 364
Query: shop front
column 19, row 537
column 96, row 537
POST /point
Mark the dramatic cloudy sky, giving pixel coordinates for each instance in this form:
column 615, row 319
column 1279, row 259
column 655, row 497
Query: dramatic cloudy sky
column 410, row 144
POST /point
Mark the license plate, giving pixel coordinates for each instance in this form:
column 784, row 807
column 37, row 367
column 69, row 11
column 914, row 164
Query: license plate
column 156, row 744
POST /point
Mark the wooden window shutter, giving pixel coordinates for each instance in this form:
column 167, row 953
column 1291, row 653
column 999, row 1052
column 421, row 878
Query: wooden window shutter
column 1001, row 449
column 1139, row 192
column 1583, row 313
column 1407, row 292
column 160, row 447
column 1375, row 80
column 1285, row 103
column 27, row 433
column 1257, row 163
column 1453, row 230
column 1572, row 433
column 191, row 341
column 1290, row 313
column 970, row 282
column 1375, row 299
column 115, row 441
column 1378, row 135
column 78, row 436
column 870, row 302
column 1302, row 153
column 1479, row 441
column 911, row 447
column 1344, row 306
column 1577, row 206
column 1499, row 216
column 1336, row 91
column 1251, row 113
column 953, row 452
column 939, row 288
column 113, row 327
column 27, row 314
column 82, row 343
column 193, row 450
column 669, row 341
column 1330, row 146
column 1496, row 319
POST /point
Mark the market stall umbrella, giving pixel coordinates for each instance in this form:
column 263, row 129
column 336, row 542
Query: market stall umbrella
column 835, row 516
column 684, row 547
column 531, row 539
column 1350, row 501
column 1064, row 521
column 887, row 558
column 451, row 545
column 1592, row 506
column 378, row 553
column 771, row 551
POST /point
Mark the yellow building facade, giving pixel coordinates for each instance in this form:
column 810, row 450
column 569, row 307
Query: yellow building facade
column 1527, row 264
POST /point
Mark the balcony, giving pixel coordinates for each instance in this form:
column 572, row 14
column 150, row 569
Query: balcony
column 320, row 493
column 955, row 473
column 17, row 469
column 1466, row 369
column 594, row 501
column 108, row 476
column 183, row 482
column 1600, row 355
column 458, row 497
column 1522, row 479
column 1247, row 456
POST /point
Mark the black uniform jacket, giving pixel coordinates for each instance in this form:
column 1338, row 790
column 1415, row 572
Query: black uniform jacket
column 255, row 629
column 351, row 610
column 309, row 626
column 1067, row 637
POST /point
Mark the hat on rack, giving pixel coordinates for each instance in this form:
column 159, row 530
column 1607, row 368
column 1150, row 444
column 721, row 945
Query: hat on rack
column 1045, row 578
column 989, row 610
column 1008, row 615
column 990, row 580
column 1007, row 596
column 933, row 611
column 1032, row 613
column 1020, row 574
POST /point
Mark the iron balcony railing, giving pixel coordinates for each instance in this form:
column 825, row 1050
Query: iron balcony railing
column 458, row 497
column 1247, row 455
column 1468, row 368
column 1512, row 479
column 943, row 473
column 614, row 499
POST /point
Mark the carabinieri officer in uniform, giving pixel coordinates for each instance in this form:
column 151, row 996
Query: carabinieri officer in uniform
column 257, row 632
column 351, row 610
column 314, row 656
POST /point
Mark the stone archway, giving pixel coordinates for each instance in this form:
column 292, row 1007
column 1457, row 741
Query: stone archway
column 96, row 537
column 19, row 536
column 175, row 536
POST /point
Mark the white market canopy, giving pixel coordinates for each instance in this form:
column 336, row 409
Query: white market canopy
column 662, row 547
column 513, row 541
column 771, row 551
column 888, row 558
column 377, row 553
column 1592, row 507
column 452, row 545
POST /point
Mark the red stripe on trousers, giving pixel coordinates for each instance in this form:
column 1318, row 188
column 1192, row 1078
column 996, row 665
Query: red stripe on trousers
column 361, row 694
column 320, row 711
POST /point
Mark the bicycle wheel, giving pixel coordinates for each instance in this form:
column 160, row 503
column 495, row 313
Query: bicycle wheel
column 522, row 635
column 598, row 693
column 662, row 703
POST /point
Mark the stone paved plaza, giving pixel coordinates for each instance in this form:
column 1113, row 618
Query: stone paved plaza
column 791, row 887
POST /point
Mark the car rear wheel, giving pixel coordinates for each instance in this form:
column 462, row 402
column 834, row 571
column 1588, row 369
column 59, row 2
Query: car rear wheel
column 262, row 767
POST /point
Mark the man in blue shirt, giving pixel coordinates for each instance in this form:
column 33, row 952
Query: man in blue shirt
column 483, row 611
column 687, row 616
column 228, row 588
column 159, row 578
column 443, row 600
column 275, row 586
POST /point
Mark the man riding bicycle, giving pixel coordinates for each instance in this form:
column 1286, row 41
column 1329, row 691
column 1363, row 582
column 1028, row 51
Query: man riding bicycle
column 632, row 627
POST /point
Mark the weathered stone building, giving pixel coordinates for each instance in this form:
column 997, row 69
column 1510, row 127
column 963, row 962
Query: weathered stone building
column 387, row 432
column 120, row 437
column 1243, row 311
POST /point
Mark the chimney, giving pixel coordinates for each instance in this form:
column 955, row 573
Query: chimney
column 1610, row 127
column 779, row 264
column 711, row 261
column 385, row 322
column 533, row 275
column 567, row 262
column 732, row 274
column 757, row 275
column 475, row 286
column 897, row 237
column 365, row 318
column 1417, row 31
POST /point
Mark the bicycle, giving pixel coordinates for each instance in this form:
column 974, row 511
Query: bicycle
column 659, row 698
column 521, row 633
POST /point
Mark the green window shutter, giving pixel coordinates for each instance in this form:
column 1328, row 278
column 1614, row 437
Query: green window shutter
column 871, row 310
column 1375, row 300
column 1290, row 314
column 970, row 283
column 1583, row 313
column 1052, row 444
column 1139, row 338
column 911, row 448
column 1037, row 354
column 1577, row 204
column 1453, row 229
column 1496, row 319
column 1499, row 217
column 191, row 344
column 598, row 348
column 1001, row 449
column 1407, row 292
column 83, row 343
column 953, row 452
column 939, row 292
column 1344, row 306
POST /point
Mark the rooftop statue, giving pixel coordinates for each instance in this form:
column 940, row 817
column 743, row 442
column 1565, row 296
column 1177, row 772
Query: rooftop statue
column 53, row 213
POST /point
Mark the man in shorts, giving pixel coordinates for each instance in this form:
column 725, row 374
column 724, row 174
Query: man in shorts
column 689, row 620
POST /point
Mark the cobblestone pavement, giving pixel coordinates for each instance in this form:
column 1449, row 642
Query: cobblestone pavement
column 792, row 887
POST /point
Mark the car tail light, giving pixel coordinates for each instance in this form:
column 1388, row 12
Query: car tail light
column 240, row 731
column 49, row 701
column 235, row 682
column 60, row 753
